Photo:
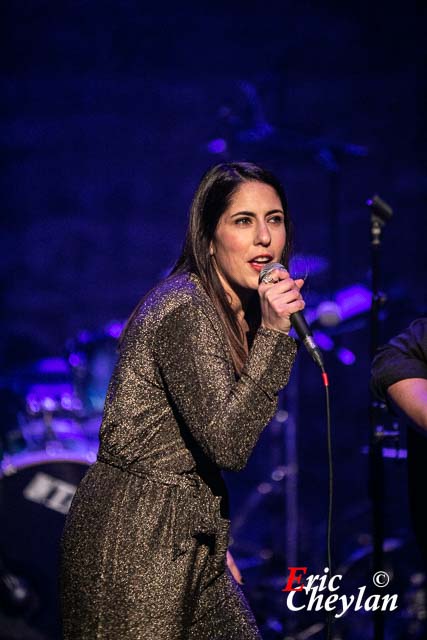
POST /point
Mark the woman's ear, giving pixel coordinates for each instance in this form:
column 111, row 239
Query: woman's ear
column 211, row 248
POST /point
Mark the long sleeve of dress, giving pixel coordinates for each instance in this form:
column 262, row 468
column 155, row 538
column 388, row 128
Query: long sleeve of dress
column 224, row 416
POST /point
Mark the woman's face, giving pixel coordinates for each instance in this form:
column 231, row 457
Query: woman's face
column 250, row 234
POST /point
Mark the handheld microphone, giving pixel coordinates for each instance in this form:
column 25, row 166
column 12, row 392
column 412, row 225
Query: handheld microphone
column 297, row 319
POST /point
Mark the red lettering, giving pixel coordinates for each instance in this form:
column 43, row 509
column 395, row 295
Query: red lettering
column 293, row 577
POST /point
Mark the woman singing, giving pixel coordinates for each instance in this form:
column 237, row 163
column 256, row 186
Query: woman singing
column 202, row 359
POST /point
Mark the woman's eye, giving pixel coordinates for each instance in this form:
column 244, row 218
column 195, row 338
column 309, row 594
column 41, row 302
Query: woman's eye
column 277, row 219
column 243, row 221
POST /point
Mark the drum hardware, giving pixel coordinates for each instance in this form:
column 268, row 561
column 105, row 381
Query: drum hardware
column 90, row 428
column 13, row 416
column 49, row 434
column 65, row 404
column 92, row 357
column 15, row 594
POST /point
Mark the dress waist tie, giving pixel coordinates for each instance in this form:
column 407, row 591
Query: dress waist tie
column 198, row 510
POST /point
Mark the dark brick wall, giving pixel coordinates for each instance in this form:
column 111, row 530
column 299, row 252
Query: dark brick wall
column 107, row 113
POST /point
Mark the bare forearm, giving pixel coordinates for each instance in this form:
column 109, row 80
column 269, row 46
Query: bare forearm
column 411, row 396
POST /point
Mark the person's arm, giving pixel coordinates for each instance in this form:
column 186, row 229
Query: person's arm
column 399, row 372
column 224, row 416
column 410, row 395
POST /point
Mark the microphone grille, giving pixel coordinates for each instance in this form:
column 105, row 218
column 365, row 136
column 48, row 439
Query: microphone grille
column 268, row 269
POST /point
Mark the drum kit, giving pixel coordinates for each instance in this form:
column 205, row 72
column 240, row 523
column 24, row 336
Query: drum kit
column 51, row 414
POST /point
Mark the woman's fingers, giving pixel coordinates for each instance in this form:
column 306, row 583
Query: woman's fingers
column 283, row 299
column 274, row 276
column 279, row 299
column 291, row 307
column 280, row 288
column 277, row 275
column 235, row 571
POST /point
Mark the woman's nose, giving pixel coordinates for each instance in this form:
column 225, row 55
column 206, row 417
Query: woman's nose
column 262, row 234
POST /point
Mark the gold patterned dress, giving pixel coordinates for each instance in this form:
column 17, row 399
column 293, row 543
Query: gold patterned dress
column 144, row 546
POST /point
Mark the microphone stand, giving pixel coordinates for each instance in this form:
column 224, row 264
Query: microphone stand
column 381, row 213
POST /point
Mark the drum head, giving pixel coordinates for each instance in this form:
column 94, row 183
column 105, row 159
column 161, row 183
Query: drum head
column 36, row 490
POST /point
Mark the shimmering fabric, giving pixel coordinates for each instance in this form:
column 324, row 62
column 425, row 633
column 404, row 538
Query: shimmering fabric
column 145, row 541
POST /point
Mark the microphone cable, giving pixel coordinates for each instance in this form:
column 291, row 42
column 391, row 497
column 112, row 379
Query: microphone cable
column 329, row 620
column 304, row 333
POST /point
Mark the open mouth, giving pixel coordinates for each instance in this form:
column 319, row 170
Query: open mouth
column 258, row 262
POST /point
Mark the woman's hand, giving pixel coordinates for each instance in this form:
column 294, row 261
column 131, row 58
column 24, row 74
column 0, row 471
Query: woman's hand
column 235, row 571
column 279, row 299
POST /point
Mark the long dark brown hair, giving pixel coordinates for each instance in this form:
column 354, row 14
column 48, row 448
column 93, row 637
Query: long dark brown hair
column 213, row 196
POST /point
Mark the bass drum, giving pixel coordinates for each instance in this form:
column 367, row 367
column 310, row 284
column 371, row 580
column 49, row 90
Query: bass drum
column 36, row 489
